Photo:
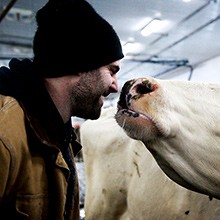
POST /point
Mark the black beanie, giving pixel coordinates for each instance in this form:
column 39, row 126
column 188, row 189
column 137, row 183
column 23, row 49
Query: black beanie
column 71, row 37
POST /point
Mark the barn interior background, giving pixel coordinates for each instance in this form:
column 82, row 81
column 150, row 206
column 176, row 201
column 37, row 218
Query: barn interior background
column 167, row 39
column 164, row 39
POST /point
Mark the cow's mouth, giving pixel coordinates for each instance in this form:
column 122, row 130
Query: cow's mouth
column 130, row 113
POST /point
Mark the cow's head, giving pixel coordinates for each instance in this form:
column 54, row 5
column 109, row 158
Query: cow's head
column 138, row 109
column 179, row 122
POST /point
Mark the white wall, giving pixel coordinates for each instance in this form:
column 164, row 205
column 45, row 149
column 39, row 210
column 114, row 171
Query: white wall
column 208, row 71
column 4, row 62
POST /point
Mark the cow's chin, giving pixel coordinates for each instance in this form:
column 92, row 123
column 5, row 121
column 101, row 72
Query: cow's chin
column 137, row 126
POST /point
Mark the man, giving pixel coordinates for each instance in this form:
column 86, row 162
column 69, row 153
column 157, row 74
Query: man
column 76, row 57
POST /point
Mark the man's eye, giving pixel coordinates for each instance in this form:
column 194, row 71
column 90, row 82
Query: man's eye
column 113, row 70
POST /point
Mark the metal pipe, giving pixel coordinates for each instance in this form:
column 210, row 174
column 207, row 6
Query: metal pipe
column 13, row 43
column 174, row 68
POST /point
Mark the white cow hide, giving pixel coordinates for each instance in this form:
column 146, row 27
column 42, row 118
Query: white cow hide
column 123, row 181
column 179, row 122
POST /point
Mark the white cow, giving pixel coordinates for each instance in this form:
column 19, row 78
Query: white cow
column 179, row 122
column 123, row 181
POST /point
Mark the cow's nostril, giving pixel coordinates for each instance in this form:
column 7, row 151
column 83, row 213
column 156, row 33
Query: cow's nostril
column 143, row 88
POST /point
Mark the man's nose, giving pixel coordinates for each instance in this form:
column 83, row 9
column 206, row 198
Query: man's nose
column 114, row 86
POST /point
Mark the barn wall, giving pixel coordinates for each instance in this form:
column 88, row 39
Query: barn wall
column 205, row 72
column 208, row 71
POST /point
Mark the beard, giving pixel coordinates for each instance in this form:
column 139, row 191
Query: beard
column 86, row 97
column 87, row 108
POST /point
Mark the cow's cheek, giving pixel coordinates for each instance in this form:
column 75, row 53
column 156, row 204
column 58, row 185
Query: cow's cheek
column 144, row 105
column 138, row 127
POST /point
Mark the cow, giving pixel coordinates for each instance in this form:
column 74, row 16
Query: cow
column 124, row 182
column 179, row 123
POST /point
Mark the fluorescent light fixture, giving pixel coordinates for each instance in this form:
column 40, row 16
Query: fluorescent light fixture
column 154, row 26
column 19, row 14
column 131, row 47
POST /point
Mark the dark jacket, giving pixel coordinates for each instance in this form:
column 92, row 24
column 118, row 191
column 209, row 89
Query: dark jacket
column 38, row 179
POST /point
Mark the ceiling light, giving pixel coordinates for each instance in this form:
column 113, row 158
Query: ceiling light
column 154, row 26
column 131, row 47
column 19, row 14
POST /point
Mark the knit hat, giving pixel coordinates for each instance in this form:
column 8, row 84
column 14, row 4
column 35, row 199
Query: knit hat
column 72, row 37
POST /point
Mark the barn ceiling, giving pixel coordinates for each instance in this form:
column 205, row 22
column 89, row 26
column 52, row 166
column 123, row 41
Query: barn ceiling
column 190, row 37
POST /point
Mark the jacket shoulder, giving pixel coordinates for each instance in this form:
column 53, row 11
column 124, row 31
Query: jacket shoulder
column 12, row 121
column 6, row 101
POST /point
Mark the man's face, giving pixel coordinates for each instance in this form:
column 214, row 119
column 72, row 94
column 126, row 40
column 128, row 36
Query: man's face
column 88, row 94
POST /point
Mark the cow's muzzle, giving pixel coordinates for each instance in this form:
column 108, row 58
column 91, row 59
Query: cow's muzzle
column 134, row 89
